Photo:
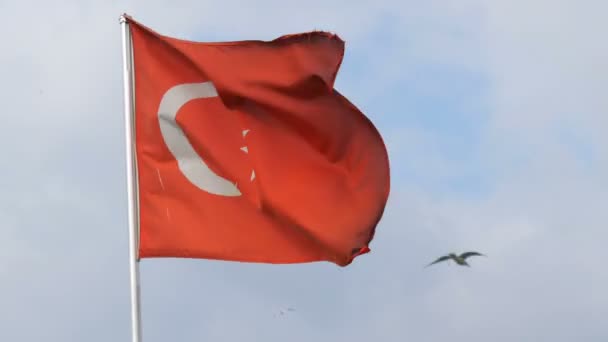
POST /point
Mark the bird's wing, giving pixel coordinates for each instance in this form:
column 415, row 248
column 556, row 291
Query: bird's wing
column 443, row 258
column 470, row 254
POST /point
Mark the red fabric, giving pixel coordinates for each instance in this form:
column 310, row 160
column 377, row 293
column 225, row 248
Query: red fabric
column 321, row 168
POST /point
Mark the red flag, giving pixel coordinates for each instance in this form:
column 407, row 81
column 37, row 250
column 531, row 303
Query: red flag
column 245, row 152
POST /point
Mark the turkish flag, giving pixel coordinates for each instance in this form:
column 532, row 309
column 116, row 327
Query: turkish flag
column 245, row 152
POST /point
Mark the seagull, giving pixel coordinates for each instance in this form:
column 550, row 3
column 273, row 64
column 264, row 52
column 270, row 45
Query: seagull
column 284, row 311
column 288, row 309
column 459, row 259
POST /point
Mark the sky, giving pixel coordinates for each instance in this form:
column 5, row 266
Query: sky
column 493, row 113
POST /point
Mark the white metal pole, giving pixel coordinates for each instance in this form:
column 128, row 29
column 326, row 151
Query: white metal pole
column 132, row 199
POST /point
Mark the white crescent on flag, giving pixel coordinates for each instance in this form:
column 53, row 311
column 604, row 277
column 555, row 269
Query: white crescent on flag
column 189, row 162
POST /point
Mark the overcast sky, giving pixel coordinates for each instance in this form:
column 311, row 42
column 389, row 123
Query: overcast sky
column 494, row 114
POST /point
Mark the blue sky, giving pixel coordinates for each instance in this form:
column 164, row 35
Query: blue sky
column 494, row 117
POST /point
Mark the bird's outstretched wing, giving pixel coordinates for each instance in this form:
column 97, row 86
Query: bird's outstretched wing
column 443, row 258
column 470, row 254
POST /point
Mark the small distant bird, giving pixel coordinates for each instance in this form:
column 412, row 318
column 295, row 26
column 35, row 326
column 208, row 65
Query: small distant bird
column 284, row 311
column 288, row 309
column 459, row 259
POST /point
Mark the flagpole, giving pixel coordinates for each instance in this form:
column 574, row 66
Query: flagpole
column 130, row 159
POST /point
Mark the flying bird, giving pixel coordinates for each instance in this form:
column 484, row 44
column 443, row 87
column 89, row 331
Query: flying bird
column 284, row 311
column 288, row 309
column 459, row 259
